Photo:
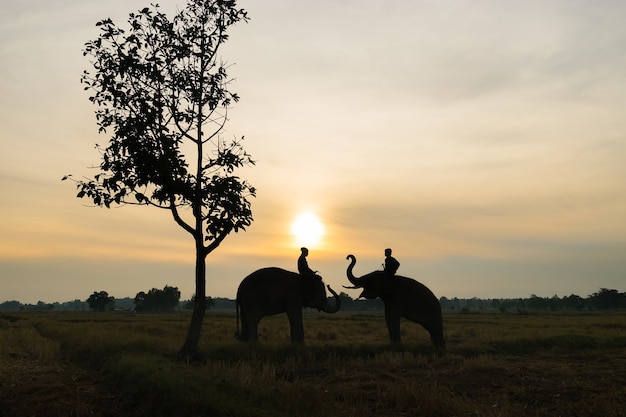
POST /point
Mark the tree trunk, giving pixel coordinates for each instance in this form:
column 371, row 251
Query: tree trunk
column 190, row 347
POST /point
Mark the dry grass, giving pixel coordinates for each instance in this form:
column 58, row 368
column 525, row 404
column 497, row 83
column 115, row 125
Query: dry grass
column 35, row 381
column 497, row 365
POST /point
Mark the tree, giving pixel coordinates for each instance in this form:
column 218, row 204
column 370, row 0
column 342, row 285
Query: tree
column 346, row 301
column 210, row 302
column 100, row 301
column 537, row 303
column 607, row 299
column 161, row 89
column 574, row 302
column 10, row 306
column 158, row 300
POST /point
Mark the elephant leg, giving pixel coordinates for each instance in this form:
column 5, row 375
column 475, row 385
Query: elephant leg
column 436, row 337
column 295, row 325
column 249, row 327
column 440, row 344
column 253, row 328
column 393, row 324
column 243, row 334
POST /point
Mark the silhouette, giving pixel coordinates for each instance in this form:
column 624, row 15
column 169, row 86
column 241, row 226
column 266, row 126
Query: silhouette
column 271, row 291
column 303, row 265
column 100, row 301
column 166, row 299
column 391, row 264
column 148, row 111
column 402, row 297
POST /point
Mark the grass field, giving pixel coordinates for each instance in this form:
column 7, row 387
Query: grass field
column 123, row 364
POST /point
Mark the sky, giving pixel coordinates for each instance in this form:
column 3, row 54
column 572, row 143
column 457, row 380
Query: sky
column 484, row 141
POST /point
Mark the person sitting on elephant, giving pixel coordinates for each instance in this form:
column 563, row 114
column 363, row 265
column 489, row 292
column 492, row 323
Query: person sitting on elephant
column 303, row 265
column 391, row 264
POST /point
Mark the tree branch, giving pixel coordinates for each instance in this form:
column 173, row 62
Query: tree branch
column 174, row 210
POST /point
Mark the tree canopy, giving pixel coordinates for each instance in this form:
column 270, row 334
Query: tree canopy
column 100, row 301
column 157, row 300
column 158, row 86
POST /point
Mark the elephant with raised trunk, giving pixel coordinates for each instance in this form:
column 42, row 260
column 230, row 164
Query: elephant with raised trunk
column 271, row 291
column 402, row 297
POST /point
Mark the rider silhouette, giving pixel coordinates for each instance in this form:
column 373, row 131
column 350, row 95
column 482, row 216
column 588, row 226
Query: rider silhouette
column 303, row 265
column 391, row 264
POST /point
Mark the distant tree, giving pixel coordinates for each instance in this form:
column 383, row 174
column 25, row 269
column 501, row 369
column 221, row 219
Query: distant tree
column 75, row 305
column 555, row 303
column 347, row 303
column 161, row 89
column 169, row 298
column 220, row 303
column 140, row 301
column 210, row 302
column 100, row 301
column 608, row 299
column 368, row 305
column 10, row 305
column 474, row 303
column 44, row 306
column 573, row 302
column 158, row 300
column 125, row 303
column 537, row 303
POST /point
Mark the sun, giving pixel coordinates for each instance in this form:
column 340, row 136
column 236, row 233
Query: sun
column 307, row 230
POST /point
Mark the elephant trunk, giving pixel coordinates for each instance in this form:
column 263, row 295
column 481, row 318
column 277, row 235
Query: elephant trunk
column 327, row 307
column 357, row 282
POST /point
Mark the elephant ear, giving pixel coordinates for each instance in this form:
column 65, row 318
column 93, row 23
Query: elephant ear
column 313, row 294
column 388, row 287
column 307, row 283
column 377, row 285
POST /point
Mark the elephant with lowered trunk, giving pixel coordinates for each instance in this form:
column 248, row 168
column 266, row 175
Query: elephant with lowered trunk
column 402, row 297
column 271, row 291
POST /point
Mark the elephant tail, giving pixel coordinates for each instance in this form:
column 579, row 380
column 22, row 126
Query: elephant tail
column 237, row 334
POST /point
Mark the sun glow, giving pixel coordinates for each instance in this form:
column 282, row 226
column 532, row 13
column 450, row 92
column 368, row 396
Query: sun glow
column 307, row 230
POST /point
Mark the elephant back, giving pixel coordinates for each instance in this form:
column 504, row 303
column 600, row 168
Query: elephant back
column 267, row 283
column 424, row 294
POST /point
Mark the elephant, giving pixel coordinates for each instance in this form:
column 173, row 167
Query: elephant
column 402, row 297
column 271, row 291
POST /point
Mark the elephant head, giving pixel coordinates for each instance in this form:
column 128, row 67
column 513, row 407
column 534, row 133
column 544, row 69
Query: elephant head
column 373, row 284
column 315, row 296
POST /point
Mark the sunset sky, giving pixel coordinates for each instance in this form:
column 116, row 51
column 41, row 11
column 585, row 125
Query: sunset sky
column 484, row 141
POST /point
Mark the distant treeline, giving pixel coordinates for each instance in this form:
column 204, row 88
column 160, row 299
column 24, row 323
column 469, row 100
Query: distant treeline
column 168, row 300
column 604, row 299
